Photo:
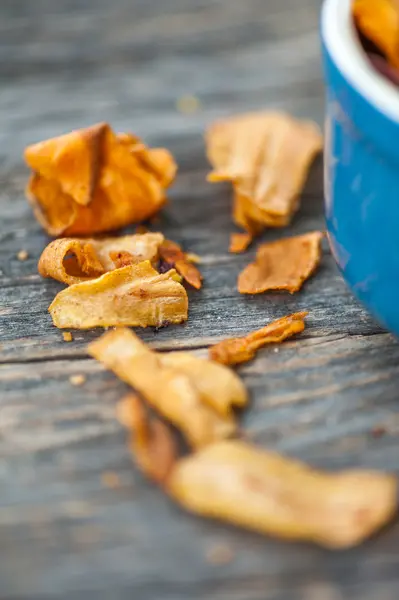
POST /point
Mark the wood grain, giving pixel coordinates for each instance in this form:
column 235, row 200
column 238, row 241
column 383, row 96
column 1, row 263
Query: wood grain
column 324, row 397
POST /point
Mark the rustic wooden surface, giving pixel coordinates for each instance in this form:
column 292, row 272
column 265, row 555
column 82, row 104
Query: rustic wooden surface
column 64, row 533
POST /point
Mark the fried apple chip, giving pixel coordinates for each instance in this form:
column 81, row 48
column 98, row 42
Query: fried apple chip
column 189, row 392
column 173, row 256
column 378, row 20
column 151, row 442
column 266, row 156
column 239, row 350
column 274, row 495
column 282, row 265
column 239, row 242
column 92, row 180
column 136, row 295
column 73, row 260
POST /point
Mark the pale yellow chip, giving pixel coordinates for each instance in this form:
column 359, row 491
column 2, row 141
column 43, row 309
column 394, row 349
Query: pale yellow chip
column 266, row 156
column 194, row 394
column 72, row 260
column 136, row 295
column 278, row 496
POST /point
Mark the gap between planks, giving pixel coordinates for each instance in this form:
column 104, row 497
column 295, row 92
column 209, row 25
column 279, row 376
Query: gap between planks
column 178, row 346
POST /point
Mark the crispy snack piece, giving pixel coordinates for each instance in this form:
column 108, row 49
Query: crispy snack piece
column 173, row 256
column 136, row 295
column 238, row 350
column 92, row 180
column 282, row 265
column 267, row 156
column 271, row 494
column 72, row 260
column 151, row 441
column 189, row 392
column 239, row 242
column 378, row 20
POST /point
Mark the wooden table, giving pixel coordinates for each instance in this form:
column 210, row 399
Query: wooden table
column 66, row 530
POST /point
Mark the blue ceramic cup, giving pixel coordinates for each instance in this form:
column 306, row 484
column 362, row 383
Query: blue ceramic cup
column 361, row 173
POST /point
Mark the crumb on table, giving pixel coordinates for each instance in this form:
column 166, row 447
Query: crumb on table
column 67, row 335
column 22, row 255
column 219, row 554
column 77, row 379
column 188, row 104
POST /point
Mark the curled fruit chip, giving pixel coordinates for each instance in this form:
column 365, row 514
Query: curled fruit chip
column 194, row 394
column 72, row 260
column 378, row 20
column 282, row 265
column 238, row 350
column 136, row 295
column 266, row 156
column 271, row 494
column 92, row 180
column 151, row 441
column 173, row 256
column 239, row 242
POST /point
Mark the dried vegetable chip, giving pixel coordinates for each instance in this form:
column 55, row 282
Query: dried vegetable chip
column 73, row 260
column 238, row 350
column 173, row 256
column 152, row 444
column 136, row 295
column 189, row 392
column 282, row 265
column 239, row 242
column 271, row 494
column 92, row 180
column 267, row 156
column 378, row 20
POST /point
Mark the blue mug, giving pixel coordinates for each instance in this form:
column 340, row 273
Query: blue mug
column 361, row 172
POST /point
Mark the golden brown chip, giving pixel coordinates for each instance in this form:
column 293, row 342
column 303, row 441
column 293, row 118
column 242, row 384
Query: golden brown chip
column 190, row 392
column 136, row 295
column 267, row 156
column 173, row 256
column 239, row 242
column 238, row 350
column 271, row 494
column 378, row 20
column 282, row 265
column 92, row 180
column 73, row 260
column 151, row 441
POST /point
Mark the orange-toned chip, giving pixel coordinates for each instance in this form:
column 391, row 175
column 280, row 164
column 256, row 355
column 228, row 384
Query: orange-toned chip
column 278, row 496
column 194, row 394
column 92, row 180
column 238, row 350
column 173, row 256
column 378, row 20
column 152, row 443
column 239, row 242
column 72, row 260
column 282, row 265
column 267, row 156
column 136, row 295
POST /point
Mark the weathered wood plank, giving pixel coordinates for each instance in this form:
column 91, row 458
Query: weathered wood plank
column 59, row 440
column 64, row 533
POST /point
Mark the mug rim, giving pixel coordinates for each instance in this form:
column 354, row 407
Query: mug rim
column 343, row 46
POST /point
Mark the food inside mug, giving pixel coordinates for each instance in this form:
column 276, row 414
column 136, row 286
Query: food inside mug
column 377, row 24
